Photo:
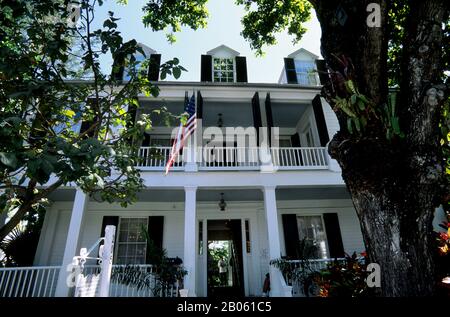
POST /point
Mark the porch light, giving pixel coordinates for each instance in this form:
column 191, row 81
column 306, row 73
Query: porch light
column 222, row 203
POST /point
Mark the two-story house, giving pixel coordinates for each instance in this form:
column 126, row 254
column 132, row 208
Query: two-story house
column 221, row 198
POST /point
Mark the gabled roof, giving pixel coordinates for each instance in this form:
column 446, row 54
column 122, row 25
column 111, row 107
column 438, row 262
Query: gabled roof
column 147, row 50
column 221, row 48
column 302, row 50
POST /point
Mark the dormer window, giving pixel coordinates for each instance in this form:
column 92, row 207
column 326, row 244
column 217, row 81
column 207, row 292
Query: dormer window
column 306, row 73
column 223, row 70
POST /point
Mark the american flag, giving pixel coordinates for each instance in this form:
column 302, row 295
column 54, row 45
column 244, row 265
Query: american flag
column 184, row 131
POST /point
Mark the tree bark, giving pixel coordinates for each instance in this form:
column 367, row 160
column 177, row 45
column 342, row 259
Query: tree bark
column 395, row 184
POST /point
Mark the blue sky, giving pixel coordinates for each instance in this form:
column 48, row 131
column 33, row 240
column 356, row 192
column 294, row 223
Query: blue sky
column 224, row 27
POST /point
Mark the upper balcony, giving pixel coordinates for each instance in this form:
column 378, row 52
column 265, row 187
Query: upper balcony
column 238, row 133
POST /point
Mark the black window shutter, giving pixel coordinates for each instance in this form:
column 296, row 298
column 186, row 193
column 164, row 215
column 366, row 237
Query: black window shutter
column 199, row 105
column 155, row 230
column 291, row 74
column 256, row 115
column 291, row 237
column 320, row 121
column 241, row 69
column 109, row 221
column 153, row 67
column 206, row 68
column 269, row 116
column 333, row 235
column 323, row 72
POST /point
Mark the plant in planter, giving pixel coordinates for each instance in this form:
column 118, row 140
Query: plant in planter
column 298, row 271
column 344, row 279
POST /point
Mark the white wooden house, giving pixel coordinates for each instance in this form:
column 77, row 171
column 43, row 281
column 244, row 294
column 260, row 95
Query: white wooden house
column 267, row 207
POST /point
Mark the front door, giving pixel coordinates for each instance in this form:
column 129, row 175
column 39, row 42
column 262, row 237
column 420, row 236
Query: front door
column 224, row 258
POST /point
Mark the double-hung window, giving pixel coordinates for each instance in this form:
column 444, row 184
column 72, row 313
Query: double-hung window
column 132, row 244
column 306, row 73
column 311, row 230
column 223, row 70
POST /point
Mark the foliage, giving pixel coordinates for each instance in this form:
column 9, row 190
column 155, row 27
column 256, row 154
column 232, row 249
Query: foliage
column 360, row 111
column 42, row 108
column 263, row 19
column 19, row 247
column 344, row 279
column 163, row 274
column 214, row 256
column 160, row 15
column 300, row 269
column 443, row 238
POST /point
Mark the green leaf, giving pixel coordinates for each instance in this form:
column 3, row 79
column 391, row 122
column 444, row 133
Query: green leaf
column 47, row 167
column 357, row 124
column 8, row 159
column 176, row 73
column 353, row 99
column 396, row 125
column 361, row 105
column 349, row 125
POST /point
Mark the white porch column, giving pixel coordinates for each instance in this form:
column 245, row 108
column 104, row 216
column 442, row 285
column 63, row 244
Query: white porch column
column 189, row 259
column 270, row 206
column 73, row 237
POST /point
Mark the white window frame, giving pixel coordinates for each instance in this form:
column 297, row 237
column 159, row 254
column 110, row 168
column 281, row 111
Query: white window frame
column 324, row 230
column 117, row 244
column 234, row 69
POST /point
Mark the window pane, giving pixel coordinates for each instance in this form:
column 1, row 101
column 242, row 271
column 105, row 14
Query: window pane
column 223, row 70
column 132, row 245
column 311, row 229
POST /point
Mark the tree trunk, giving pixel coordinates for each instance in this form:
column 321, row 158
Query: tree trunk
column 395, row 184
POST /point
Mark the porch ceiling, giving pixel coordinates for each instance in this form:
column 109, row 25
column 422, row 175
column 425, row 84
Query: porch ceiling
column 287, row 115
column 209, row 195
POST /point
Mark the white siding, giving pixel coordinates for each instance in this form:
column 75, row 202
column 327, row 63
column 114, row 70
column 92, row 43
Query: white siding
column 330, row 118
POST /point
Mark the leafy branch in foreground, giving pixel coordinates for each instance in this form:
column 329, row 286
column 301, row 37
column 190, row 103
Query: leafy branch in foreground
column 56, row 130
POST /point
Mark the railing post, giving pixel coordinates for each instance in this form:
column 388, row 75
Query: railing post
column 107, row 258
column 190, row 155
column 265, row 155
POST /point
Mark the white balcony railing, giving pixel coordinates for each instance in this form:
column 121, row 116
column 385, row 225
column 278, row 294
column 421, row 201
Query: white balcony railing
column 300, row 157
column 237, row 158
column 234, row 158
column 39, row 281
column 156, row 158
